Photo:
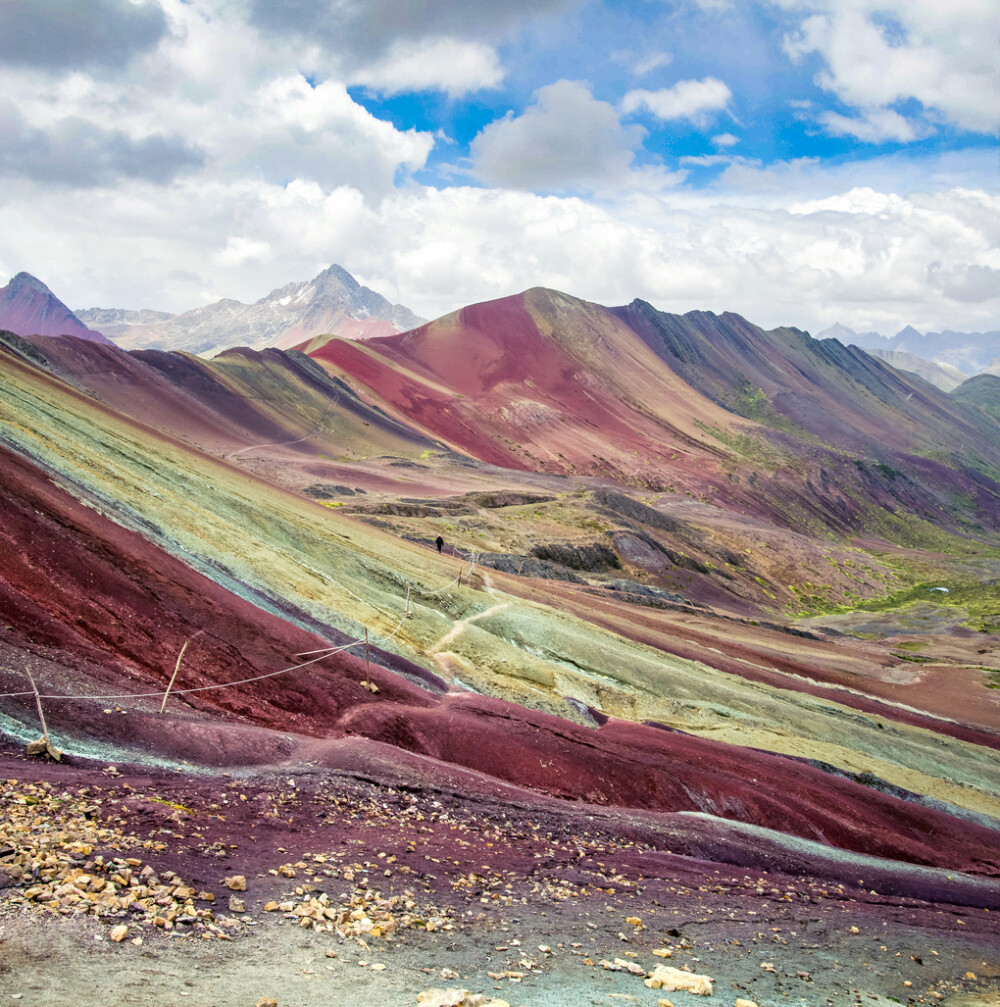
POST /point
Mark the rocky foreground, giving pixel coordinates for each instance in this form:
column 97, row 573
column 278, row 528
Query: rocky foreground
column 151, row 887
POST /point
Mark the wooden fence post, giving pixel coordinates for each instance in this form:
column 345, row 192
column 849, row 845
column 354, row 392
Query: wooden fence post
column 173, row 677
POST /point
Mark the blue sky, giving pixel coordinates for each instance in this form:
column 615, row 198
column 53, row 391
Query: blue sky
column 799, row 161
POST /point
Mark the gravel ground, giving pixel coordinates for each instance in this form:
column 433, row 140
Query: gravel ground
column 543, row 900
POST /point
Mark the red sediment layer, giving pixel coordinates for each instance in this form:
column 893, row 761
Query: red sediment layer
column 422, row 404
column 638, row 766
column 737, row 654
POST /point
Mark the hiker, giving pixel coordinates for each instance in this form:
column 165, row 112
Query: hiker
column 440, row 543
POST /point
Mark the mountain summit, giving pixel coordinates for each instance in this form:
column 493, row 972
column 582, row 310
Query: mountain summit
column 29, row 308
column 331, row 302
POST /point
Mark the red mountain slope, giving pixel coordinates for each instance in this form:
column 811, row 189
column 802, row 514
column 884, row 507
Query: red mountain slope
column 538, row 380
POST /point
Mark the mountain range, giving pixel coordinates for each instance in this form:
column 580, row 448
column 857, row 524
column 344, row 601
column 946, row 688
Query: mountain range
column 333, row 301
column 730, row 592
column 966, row 352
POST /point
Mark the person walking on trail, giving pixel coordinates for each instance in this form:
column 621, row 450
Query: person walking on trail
column 440, row 543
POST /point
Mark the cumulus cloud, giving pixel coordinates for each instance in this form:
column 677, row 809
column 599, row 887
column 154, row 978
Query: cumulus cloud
column 292, row 130
column 72, row 34
column 877, row 54
column 73, row 152
column 567, row 139
column 972, row 284
column 210, row 97
column 450, row 65
column 393, row 46
column 687, row 99
column 804, row 251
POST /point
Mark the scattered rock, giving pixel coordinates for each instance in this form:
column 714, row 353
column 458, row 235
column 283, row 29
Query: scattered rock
column 442, row 998
column 456, row 998
column 44, row 747
column 668, row 978
column 237, row 883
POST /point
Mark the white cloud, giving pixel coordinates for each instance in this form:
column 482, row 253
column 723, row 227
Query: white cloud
column 652, row 61
column 450, row 65
column 791, row 244
column 212, row 98
column 687, row 99
column 874, row 125
column 566, row 140
column 877, row 53
column 241, row 249
column 725, row 140
column 290, row 130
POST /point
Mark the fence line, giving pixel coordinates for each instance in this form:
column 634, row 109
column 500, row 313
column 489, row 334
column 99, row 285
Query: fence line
column 170, row 691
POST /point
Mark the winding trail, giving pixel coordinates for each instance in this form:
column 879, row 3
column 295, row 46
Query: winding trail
column 439, row 652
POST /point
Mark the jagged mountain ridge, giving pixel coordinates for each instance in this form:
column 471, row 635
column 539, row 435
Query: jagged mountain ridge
column 786, row 380
column 29, row 308
column 333, row 301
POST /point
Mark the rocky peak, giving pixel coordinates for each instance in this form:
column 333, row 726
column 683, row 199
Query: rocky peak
column 25, row 281
column 29, row 308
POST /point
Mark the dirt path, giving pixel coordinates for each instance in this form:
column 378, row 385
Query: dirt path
column 439, row 651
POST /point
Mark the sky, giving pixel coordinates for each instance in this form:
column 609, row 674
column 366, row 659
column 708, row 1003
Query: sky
column 801, row 162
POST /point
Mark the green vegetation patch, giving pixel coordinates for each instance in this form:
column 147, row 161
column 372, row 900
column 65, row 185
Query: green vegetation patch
column 980, row 601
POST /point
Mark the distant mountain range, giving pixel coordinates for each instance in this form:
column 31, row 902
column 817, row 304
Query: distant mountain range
column 967, row 352
column 947, row 377
column 332, row 302
column 28, row 307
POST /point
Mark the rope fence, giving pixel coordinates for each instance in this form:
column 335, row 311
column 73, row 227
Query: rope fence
column 323, row 655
